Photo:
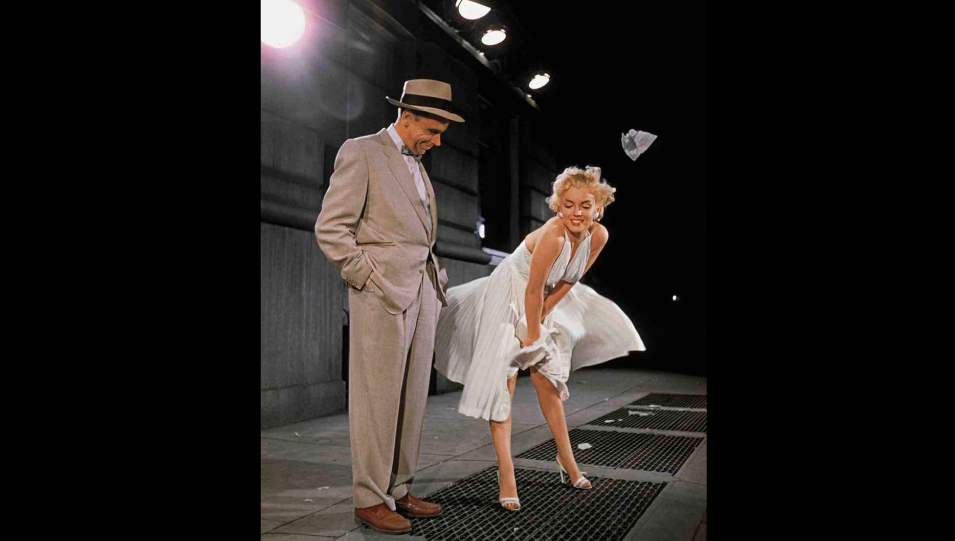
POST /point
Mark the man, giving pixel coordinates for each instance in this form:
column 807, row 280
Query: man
column 378, row 224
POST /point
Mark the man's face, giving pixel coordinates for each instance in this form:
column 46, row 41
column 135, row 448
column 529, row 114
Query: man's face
column 424, row 132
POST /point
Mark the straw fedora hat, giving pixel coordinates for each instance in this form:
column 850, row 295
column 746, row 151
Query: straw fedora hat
column 429, row 96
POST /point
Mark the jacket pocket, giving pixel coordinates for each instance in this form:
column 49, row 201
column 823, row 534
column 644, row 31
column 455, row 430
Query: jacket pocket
column 368, row 235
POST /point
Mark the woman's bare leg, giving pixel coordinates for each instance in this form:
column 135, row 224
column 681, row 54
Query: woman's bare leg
column 501, row 434
column 553, row 411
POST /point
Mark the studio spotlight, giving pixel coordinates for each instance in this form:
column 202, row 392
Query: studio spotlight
column 283, row 22
column 539, row 80
column 471, row 10
column 493, row 36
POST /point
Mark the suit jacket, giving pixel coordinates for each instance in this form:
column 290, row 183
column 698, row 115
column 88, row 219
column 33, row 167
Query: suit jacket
column 373, row 223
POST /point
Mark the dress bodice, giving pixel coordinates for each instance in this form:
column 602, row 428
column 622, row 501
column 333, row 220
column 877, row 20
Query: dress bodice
column 565, row 268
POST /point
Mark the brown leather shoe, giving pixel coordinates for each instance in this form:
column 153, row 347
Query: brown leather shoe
column 413, row 507
column 382, row 519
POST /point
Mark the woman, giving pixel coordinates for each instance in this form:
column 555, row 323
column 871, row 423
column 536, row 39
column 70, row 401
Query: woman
column 528, row 314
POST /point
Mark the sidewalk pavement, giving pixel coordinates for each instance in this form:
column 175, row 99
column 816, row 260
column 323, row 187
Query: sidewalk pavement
column 306, row 485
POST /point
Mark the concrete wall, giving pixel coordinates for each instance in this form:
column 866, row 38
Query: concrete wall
column 538, row 169
column 301, row 312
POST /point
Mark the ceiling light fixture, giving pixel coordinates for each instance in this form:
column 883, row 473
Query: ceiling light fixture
column 283, row 22
column 539, row 80
column 494, row 36
column 471, row 10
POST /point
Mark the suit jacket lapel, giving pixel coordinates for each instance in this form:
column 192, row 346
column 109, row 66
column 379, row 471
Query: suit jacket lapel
column 431, row 198
column 400, row 170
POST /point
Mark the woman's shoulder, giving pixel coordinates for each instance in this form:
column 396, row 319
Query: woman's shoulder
column 551, row 233
column 599, row 235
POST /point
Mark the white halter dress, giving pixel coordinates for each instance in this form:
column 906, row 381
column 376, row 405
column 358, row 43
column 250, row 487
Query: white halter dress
column 479, row 333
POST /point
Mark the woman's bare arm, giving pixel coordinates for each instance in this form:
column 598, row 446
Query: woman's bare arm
column 548, row 246
column 597, row 243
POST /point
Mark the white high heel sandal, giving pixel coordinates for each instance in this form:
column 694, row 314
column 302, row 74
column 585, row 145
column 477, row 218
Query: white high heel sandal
column 579, row 483
column 507, row 500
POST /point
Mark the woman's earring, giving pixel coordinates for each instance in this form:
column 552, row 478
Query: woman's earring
column 596, row 216
column 561, row 214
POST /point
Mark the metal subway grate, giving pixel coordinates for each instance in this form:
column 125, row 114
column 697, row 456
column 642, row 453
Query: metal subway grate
column 672, row 400
column 648, row 452
column 549, row 510
column 681, row 421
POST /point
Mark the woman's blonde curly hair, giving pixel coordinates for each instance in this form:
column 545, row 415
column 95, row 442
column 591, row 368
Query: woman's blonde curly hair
column 574, row 177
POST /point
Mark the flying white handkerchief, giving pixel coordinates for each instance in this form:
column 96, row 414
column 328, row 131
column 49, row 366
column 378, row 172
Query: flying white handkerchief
column 636, row 142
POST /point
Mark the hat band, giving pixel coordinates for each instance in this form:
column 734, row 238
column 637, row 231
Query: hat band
column 425, row 101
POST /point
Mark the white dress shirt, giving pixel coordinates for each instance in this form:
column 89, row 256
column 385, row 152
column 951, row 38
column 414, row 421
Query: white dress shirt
column 413, row 168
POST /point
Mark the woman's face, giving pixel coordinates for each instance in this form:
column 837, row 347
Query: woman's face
column 577, row 205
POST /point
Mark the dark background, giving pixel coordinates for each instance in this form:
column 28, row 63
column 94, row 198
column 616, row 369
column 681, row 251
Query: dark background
column 616, row 66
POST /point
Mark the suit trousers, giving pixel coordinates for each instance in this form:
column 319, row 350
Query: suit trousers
column 390, row 358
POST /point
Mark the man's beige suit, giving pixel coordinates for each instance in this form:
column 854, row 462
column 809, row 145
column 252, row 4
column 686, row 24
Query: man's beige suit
column 374, row 224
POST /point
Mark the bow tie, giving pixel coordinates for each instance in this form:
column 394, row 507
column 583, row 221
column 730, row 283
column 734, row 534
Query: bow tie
column 407, row 152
